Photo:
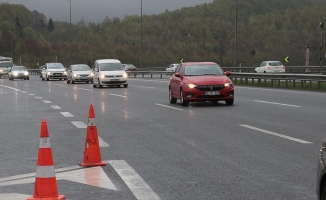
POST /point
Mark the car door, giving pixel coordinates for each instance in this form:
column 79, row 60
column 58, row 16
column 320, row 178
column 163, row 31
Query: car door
column 176, row 82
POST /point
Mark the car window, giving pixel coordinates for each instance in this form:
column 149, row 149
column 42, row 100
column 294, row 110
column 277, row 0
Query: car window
column 55, row 66
column 275, row 63
column 18, row 68
column 110, row 66
column 200, row 70
column 80, row 68
column 6, row 64
column 178, row 68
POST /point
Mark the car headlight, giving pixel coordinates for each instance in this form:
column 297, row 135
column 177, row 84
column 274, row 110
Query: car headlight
column 0, row 70
column 75, row 75
column 49, row 73
column 92, row 74
column 125, row 75
column 189, row 85
column 229, row 84
column 26, row 73
column 102, row 76
column 15, row 73
column 64, row 73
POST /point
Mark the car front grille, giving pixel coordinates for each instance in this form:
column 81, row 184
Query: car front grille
column 210, row 97
column 210, row 87
column 111, row 76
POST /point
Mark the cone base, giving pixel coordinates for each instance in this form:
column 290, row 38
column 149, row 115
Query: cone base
column 60, row 197
column 91, row 164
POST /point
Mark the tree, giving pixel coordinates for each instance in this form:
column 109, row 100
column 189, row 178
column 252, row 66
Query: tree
column 50, row 25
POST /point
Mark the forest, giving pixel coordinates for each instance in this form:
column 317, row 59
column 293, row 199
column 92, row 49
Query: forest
column 266, row 30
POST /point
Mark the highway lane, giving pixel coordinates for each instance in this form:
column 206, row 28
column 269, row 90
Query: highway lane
column 198, row 152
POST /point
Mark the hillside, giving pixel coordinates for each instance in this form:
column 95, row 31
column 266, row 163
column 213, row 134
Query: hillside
column 267, row 30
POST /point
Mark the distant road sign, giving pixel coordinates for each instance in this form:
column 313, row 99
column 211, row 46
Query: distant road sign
column 181, row 60
column 286, row 59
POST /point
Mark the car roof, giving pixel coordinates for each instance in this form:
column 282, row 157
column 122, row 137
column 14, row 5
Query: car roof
column 200, row 63
column 108, row 61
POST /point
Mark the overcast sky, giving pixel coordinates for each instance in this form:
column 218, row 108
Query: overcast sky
column 97, row 10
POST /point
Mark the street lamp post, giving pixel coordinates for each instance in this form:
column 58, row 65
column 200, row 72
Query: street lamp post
column 321, row 25
column 141, row 32
column 56, row 57
column 235, row 34
column 188, row 35
column 70, row 36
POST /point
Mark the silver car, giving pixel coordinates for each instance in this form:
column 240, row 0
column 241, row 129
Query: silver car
column 18, row 72
column 53, row 71
column 79, row 73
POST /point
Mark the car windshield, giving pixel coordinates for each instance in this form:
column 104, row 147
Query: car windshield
column 111, row 67
column 275, row 63
column 200, row 70
column 55, row 66
column 6, row 64
column 18, row 69
column 80, row 68
column 129, row 66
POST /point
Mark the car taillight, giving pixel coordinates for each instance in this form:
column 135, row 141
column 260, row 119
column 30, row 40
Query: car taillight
column 268, row 68
column 283, row 67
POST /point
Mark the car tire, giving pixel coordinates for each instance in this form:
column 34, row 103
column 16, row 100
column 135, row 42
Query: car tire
column 27, row 78
column 125, row 85
column 68, row 82
column 99, row 83
column 171, row 99
column 47, row 79
column 182, row 101
column 229, row 102
column 72, row 81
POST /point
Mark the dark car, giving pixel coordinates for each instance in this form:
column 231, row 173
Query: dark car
column 201, row 81
column 18, row 72
column 129, row 67
column 321, row 172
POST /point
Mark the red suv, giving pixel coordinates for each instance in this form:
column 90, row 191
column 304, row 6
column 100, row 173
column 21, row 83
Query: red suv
column 200, row 81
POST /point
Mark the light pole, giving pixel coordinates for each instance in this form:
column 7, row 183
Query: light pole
column 56, row 57
column 235, row 34
column 70, row 36
column 321, row 25
column 141, row 32
column 188, row 35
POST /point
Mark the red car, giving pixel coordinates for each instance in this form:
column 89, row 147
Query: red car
column 201, row 81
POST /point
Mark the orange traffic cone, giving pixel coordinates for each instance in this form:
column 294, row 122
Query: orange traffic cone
column 45, row 187
column 92, row 153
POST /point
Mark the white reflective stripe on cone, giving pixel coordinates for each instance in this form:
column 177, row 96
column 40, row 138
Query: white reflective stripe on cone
column 91, row 122
column 45, row 143
column 45, row 172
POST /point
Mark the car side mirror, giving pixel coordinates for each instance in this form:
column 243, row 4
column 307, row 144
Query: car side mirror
column 227, row 73
column 177, row 74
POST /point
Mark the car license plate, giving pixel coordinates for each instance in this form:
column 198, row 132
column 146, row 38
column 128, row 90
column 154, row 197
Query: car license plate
column 114, row 79
column 212, row 93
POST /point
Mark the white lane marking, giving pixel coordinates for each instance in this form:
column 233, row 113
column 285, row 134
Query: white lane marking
column 34, row 174
column 14, row 196
column 59, row 85
column 66, row 114
column 145, row 87
column 84, row 89
column 80, row 124
column 135, row 183
column 94, row 176
column 10, row 87
column 169, row 107
column 280, row 90
column 275, row 134
column 56, row 107
column 38, row 97
column 23, row 91
column 7, row 92
column 281, row 104
column 135, row 79
column 31, row 94
column 117, row 95
column 47, row 101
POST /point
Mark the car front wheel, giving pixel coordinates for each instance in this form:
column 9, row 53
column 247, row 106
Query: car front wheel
column 182, row 101
column 229, row 102
column 99, row 83
column 171, row 99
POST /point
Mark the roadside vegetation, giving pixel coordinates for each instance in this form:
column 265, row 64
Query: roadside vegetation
column 267, row 30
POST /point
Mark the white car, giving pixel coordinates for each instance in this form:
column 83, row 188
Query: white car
column 53, row 71
column 109, row 72
column 270, row 67
column 172, row 68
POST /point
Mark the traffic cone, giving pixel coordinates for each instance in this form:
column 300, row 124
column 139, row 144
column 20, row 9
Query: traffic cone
column 92, row 152
column 45, row 187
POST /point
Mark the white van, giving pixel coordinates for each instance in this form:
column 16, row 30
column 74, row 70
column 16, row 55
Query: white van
column 109, row 72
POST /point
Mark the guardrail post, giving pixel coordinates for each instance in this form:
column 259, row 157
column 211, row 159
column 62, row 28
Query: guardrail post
column 142, row 75
column 161, row 76
column 279, row 83
column 272, row 82
column 265, row 82
column 151, row 75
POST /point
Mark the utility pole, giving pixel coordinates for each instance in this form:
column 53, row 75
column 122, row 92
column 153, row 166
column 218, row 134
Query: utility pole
column 141, row 32
column 235, row 34
column 221, row 55
column 321, row 25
